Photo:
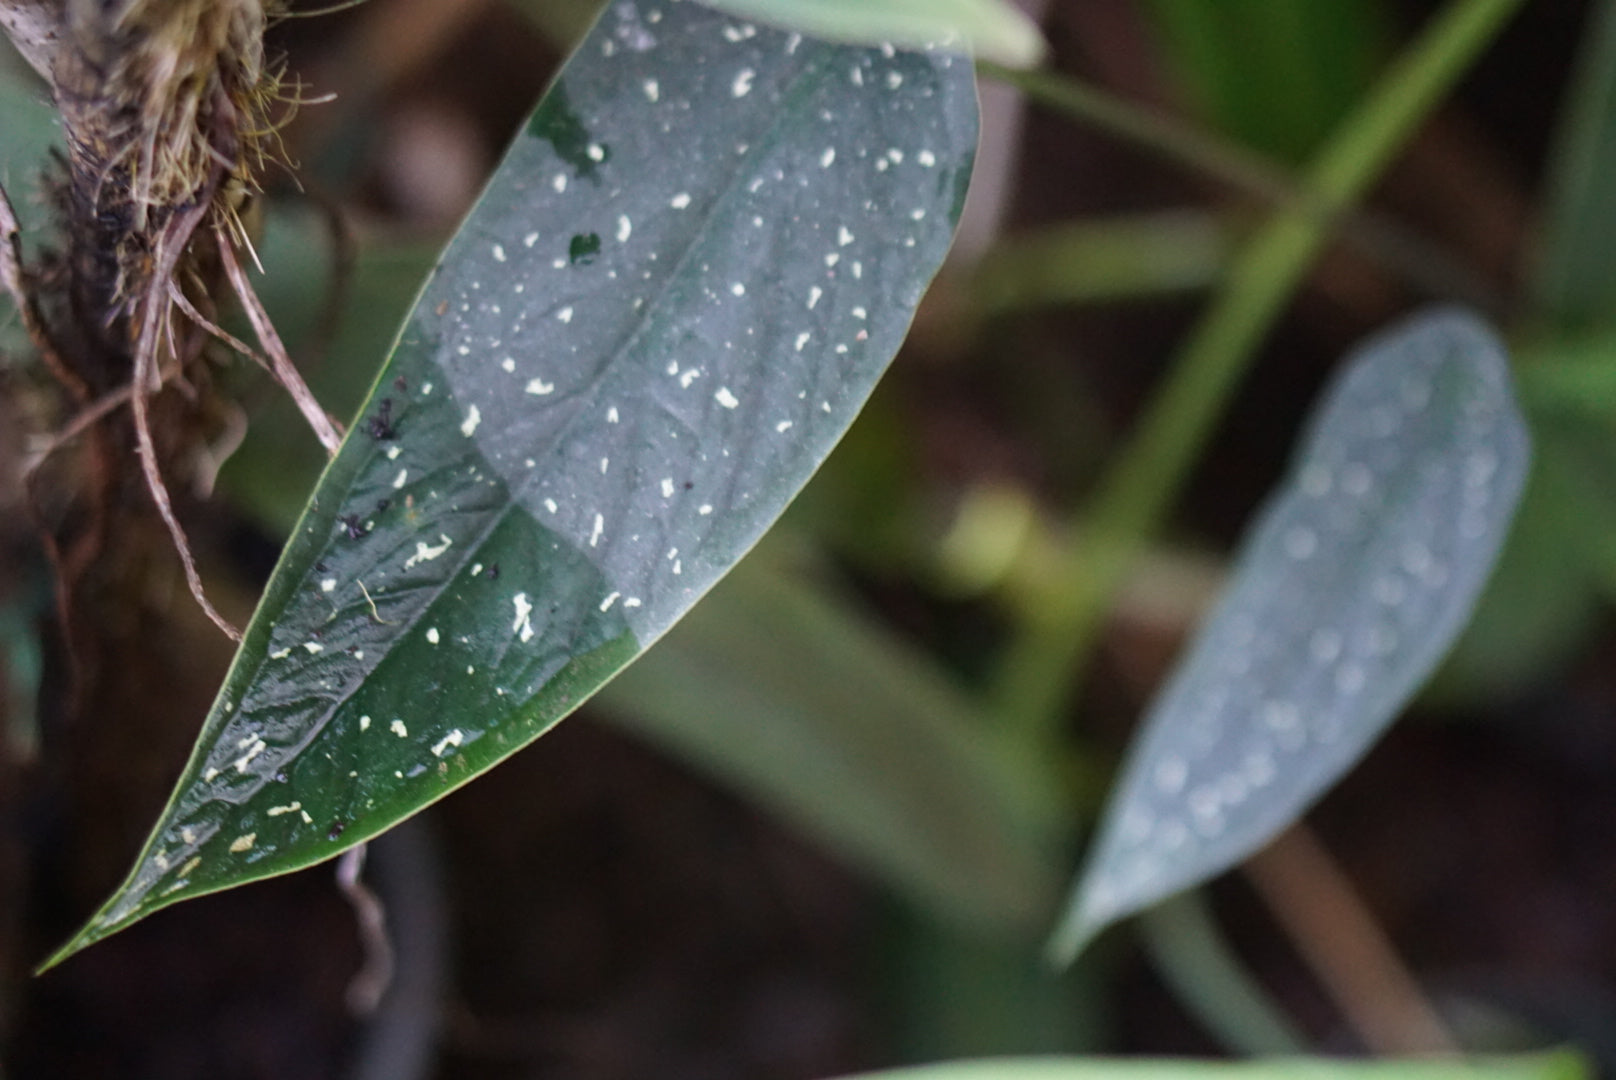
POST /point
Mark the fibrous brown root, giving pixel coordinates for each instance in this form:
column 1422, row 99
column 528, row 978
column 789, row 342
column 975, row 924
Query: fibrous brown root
column 164, row 107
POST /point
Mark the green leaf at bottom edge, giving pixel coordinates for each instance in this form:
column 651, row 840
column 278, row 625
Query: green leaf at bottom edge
column 1554, row 1065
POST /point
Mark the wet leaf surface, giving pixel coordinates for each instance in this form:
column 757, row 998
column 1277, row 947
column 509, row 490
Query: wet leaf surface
column 670, row 303
column 1346, row 594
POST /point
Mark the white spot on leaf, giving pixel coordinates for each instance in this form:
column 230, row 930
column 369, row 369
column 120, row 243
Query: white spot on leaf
column 425, row 552
column 523, row 625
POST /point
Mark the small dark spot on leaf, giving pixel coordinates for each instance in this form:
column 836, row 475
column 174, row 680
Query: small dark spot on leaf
column 584, row 248
column 401, row 385
column 319, row 567
column 353, row 527
column 383, row 504
column 689, row 484
column 493, row 572
column 335, row 830
column 556, row 123
column 380, row 426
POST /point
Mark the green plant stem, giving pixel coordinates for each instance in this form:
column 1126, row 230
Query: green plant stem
column 1421, row 263
column 1095, row 261
column 1037, row 678
column 1203, row 152
column 1572, row 286
column 1195, row 960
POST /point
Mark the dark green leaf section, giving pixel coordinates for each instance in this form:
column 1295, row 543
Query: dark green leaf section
column 670, row 303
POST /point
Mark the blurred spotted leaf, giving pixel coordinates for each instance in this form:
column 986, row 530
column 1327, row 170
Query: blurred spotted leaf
column 1347, row 592
column 676, row 293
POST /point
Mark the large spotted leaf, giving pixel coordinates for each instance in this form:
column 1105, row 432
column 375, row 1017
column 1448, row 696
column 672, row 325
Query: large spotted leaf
column 1349, row 589
column 681, row 285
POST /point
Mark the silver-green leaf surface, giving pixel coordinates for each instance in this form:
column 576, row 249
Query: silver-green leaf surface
column 676, row 293
column 1347, row 592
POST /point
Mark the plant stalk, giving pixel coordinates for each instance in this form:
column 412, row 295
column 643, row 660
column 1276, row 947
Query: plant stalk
column 1038, row 678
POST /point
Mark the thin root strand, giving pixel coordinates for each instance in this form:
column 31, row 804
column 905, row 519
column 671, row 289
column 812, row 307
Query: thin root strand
column 281, row 366
column 157, row 306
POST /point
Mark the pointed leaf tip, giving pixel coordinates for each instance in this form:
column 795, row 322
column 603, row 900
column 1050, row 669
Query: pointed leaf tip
column 1346, row 593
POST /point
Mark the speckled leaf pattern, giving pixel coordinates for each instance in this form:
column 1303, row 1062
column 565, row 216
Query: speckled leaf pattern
column 679, row 289
column 1347, row 592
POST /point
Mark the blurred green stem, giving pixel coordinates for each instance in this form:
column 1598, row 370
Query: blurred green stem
column 1572, row 284
column 1416, row 260
column 1191, row 955
column 1126, row 257
column 1205, row 153
column 1037, row 679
